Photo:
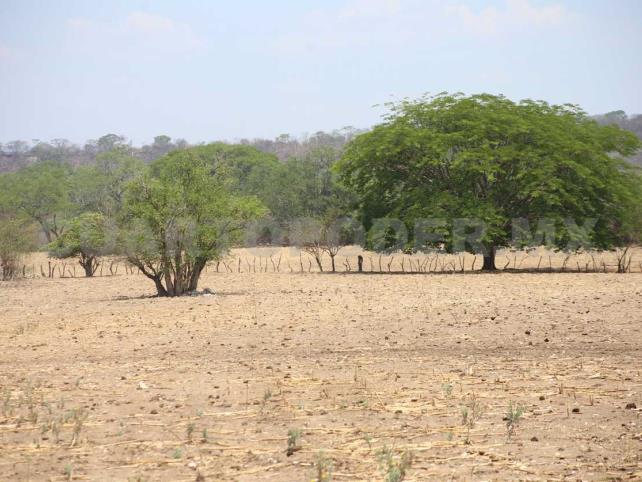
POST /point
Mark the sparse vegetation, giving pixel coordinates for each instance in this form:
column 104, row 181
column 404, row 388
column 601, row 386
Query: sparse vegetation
column 394, row 466
column 78, row 417
column 447, row 388
column 470, row 413
column 68, row 471
column 513, row 417
column 450, row 292
column 322, row 467
column 190, row 431
column 412, row 402
column 294, row 434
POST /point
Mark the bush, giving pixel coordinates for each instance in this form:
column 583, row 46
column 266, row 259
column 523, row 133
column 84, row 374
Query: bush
column 16, row 238
column 85, row 239
column 179, row 216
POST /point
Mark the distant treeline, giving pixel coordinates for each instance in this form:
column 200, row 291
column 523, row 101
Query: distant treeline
column 451, row 173
column 15, row 155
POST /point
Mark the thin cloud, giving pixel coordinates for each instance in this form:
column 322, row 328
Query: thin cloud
column 8, row 54
column 369, row 9
column 390, row 24
column 356, row 23
column 514, row 14
column 150, row 23
column 151, row 33
column 167, row 28
column 80, row 24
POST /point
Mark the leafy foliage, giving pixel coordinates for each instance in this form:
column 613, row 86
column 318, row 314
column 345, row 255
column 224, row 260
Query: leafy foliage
column 487, row 158
column 17, row 237
column 179, row 215
column 87, row 238
column 40, row 192
column 101, row 187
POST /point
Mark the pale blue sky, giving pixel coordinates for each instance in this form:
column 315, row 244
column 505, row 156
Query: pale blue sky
column 206, row 70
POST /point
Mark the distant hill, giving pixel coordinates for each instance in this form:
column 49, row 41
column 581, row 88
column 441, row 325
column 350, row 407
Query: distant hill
column 17, row 154
column 631, row 123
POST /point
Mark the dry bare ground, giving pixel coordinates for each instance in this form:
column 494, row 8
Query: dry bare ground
column 101, row 381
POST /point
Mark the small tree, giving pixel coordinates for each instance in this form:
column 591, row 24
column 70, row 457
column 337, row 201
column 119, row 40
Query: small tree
column 630, row 225
column 41, row 193
column 85, row 239
column 178, row 216
column 326, row 234
column 16, row 239
column 307, row 235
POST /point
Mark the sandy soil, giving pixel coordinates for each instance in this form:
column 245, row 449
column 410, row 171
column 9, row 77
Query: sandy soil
column 100, row 381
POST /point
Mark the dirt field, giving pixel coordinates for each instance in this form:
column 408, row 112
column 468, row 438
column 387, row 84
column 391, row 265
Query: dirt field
column 100, row 381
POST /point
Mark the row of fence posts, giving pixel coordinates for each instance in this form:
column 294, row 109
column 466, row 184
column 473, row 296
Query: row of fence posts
column 429, row 264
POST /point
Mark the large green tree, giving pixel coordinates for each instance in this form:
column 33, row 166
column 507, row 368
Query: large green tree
column 178, row 216
column 490, row 159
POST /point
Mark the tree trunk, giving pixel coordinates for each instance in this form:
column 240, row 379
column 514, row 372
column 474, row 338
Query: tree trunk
column 360, row 263
column 46, row 230
column 318, row 259
column 489, row 259
column 332, row 259
column 87, row 262
column 89, row 272
column 622, row 260
column 199, row 265
column 160, row 289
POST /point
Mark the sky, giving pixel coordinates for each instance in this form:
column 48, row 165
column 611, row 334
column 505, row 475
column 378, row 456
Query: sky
column 227, row 70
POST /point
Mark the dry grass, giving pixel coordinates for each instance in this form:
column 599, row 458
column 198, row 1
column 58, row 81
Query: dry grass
column 99, row 381
column 292, row 260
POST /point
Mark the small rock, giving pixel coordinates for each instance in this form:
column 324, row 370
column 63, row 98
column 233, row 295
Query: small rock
column 528, row 332
column 192, row 465
column 542, row 397
column 534, row 439
column 142, row 386
column 576, row 410
column 546, row 340
column 631, row 406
